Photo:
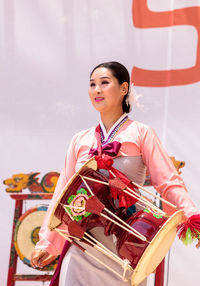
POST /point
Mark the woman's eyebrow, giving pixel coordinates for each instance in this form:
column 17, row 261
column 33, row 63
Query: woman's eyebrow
column 102, row 77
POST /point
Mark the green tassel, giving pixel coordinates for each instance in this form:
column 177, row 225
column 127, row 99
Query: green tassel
column 188, row 237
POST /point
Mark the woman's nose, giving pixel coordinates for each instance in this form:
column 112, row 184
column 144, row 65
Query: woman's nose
column 98, row 89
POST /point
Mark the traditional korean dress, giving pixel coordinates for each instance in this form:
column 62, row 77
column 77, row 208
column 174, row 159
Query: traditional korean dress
column 140, row 149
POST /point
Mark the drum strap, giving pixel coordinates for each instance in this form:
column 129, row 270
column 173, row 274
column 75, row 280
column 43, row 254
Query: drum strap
column 98, row 137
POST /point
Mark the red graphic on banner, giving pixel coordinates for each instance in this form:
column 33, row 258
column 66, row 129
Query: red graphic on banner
column 145, row 18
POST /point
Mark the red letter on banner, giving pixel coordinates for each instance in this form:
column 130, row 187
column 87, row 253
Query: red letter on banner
column 144, row 18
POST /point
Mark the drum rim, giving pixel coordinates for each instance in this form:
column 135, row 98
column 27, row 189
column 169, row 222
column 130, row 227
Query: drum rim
column 53, row 220
column 176, row 217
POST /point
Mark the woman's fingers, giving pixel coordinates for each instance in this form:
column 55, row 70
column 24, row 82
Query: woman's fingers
column 42, row 259
column 37, row 257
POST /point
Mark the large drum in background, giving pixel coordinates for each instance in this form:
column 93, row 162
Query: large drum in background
column 27, row 235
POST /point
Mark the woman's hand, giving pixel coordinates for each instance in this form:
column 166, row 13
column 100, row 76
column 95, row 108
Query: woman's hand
column 37, row 258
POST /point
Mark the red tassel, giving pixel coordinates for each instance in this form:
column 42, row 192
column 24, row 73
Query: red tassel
column 193, row 223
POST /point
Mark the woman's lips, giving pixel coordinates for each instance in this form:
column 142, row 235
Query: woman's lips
column 99, row 98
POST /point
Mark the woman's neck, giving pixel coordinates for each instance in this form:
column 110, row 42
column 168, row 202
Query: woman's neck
column 109, row 119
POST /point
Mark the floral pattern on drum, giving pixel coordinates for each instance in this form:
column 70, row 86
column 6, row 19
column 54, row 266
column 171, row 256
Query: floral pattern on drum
column 153, row 212
column 156, row 215
column 77, row 204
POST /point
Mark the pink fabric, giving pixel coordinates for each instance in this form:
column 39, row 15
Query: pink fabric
column 136, row 139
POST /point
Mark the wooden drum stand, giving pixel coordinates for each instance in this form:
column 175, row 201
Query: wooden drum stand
column 12, row 276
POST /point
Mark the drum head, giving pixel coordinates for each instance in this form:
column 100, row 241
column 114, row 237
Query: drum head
column 54, row 221
column 157, row 249
column 27, row 235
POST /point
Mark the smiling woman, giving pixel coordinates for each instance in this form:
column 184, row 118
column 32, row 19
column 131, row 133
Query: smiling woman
column 121, row 145
column 109, row 87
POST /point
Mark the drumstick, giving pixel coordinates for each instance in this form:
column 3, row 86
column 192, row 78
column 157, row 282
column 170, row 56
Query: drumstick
column 84, row 250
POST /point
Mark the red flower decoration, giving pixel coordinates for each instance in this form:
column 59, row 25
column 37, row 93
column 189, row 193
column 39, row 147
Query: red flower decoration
column 104, row 162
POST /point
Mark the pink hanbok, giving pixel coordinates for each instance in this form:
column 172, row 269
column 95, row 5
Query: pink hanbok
column 140, row 149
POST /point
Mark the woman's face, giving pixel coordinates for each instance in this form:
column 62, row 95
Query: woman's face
column 105, row 92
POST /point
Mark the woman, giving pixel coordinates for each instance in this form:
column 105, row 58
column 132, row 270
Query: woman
column 140, row 149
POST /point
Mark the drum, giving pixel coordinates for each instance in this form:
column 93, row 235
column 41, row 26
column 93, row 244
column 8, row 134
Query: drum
column 27, row 235
column 142, row 239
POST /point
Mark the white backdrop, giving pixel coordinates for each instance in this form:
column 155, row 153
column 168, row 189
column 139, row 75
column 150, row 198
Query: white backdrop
column 47, row 50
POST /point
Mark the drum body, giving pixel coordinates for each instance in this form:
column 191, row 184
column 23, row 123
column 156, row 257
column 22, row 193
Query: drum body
column 147, row 224
column 27, row 235
column 145, row 256
column 159, row 230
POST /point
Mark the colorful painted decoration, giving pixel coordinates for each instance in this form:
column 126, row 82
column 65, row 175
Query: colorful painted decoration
column 77, row 204
column 21, row 181
column 153, row 212
column 49, row 182
column 177, row 164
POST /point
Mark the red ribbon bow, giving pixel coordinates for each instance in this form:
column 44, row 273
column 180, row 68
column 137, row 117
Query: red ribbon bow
column 110, row 149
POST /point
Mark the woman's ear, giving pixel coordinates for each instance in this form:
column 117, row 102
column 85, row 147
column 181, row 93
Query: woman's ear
column 124, row 88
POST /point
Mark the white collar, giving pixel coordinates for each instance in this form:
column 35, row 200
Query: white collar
column 112, row 128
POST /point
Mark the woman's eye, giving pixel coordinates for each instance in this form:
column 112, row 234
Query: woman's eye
column 105, row 82
column 92, row 85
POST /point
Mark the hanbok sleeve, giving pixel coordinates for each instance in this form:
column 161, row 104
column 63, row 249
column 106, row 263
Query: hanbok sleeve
column 51, row 241
column 163, row 174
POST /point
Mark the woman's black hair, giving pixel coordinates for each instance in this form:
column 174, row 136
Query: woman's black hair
column 121, row 74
